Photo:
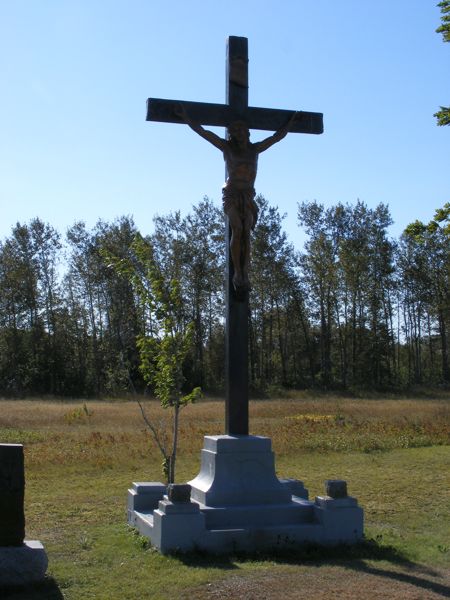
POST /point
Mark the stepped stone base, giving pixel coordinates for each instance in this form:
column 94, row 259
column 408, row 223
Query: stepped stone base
column 22, row 565
column 238, row 504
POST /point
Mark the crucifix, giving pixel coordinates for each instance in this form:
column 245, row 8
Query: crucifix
column 238, row 199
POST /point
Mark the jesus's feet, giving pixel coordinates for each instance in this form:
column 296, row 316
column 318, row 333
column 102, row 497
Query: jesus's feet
column 241, row 285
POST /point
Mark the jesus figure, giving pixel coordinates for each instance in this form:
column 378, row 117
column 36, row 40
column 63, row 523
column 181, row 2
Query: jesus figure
column 238, row 192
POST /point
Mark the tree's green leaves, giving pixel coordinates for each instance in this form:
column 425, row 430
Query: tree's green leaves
column 194, row 396
column 415, row 230
column 443, row 115
column 444, row 28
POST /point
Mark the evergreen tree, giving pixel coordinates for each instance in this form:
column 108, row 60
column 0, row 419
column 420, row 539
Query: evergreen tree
column 443, row 115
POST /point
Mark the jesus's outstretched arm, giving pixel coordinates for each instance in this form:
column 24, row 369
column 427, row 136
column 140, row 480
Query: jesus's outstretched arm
column 277, row 136
column 209, row 136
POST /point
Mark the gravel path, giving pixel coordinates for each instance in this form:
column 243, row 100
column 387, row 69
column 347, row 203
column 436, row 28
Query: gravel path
column 358, row 581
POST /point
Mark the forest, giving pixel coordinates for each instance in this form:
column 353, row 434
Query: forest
column 354, row 309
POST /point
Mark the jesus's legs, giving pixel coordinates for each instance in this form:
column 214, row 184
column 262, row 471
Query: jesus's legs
column 237, row 247
column 248, row 224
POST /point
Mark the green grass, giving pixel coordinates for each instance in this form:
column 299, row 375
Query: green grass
column 395, row 457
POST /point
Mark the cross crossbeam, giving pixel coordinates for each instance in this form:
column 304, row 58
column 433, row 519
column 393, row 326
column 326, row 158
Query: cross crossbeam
column 222, row 115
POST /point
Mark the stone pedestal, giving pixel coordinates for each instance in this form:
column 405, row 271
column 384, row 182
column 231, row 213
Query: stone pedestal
column 238, row 470
column 22, row 565
column 238, row 504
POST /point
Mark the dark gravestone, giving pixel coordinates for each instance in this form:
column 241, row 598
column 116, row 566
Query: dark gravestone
column 22, row 562
column 12, row 490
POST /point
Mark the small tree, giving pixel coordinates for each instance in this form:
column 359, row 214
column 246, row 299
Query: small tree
column 164, row 346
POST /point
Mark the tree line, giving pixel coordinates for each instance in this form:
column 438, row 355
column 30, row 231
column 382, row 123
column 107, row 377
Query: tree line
column 353, row 309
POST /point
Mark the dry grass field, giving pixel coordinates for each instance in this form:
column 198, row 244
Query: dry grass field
column 81, row 458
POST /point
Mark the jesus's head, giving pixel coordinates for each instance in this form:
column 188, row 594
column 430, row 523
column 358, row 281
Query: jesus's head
column 239, row 132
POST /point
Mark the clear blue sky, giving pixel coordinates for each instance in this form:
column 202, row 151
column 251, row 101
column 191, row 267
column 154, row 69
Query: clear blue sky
column 74, row 144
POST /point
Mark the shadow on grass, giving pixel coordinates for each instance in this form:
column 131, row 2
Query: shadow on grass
column 349, row 556
column 413, row 579
column 367, row 549
column 47, row 590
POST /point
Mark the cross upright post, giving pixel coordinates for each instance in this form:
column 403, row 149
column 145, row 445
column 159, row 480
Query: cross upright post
column 236, row 334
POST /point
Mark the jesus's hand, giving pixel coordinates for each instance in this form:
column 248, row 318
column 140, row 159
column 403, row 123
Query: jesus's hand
column 180, row 112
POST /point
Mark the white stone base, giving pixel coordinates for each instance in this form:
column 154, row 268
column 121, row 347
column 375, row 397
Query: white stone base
column 238, row 470
column 238, row 504
column 22, row 565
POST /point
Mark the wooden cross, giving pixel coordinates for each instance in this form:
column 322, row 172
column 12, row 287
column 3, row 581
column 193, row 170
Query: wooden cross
column 236, row 108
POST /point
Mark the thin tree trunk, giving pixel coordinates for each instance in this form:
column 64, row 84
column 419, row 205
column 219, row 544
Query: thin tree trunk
column 173, row 456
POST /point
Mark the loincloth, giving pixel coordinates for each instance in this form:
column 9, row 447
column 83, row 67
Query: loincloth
column 241, row 200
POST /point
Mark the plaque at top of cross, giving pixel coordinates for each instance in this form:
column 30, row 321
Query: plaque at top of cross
column 241, row 157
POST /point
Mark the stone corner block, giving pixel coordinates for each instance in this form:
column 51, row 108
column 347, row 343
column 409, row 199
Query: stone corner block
column 336, row 488
column 179, row 492
column 144, row 497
